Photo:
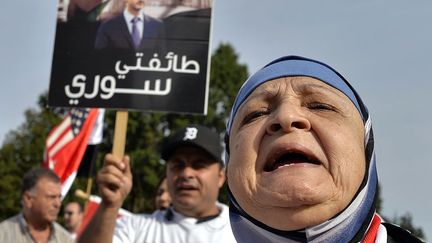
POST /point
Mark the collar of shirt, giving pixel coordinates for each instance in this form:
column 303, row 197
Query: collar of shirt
column 216, row 221
column 25, row 229
column 128, row 18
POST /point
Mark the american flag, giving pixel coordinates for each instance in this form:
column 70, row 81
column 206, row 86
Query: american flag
column 66, row 143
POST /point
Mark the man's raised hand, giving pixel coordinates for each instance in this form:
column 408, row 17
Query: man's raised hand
column 114, row 181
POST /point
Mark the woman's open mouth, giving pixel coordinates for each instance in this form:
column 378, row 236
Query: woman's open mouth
column 289, row 157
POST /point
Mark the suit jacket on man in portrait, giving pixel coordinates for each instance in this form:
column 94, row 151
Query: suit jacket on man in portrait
column 114, row 34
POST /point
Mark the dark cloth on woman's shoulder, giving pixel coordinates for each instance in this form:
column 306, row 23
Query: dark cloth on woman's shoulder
column 396, row 234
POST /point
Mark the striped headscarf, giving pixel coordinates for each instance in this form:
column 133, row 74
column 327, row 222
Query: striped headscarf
column 351, row 224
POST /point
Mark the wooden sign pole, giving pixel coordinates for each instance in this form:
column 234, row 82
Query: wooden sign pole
column 120, row 134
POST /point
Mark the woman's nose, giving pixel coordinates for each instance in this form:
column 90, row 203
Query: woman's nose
column 287, row 118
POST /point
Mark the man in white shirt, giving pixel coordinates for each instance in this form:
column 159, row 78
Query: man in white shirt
column 195, row 174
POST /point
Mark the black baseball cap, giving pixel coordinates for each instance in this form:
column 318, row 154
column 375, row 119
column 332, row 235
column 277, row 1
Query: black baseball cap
column 194, row 135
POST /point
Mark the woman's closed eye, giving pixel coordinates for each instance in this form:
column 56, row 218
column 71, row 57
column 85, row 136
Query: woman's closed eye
column 321, row 106
column 255, row 114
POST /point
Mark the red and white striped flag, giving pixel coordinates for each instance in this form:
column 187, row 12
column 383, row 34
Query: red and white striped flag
column 66, row 143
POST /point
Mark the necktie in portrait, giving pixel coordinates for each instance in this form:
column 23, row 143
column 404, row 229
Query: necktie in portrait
column 135, row 33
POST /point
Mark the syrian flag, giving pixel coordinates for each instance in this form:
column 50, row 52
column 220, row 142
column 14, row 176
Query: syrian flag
column 90, row 210
column 66, row 143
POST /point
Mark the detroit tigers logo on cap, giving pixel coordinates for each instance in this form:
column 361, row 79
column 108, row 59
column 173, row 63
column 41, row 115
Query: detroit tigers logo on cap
column 190, row 133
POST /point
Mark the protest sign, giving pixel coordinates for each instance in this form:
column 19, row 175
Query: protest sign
column 104, row 58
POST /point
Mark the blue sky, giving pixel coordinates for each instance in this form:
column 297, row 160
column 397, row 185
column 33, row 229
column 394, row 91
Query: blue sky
column 382, row 47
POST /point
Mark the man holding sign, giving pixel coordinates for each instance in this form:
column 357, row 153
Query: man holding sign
column 195, row 174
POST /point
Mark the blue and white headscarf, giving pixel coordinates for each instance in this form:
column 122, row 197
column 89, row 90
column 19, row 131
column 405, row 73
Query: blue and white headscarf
column 349, row 225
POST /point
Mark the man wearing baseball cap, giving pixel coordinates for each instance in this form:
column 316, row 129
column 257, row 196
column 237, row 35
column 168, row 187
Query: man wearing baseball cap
column 195, row 173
